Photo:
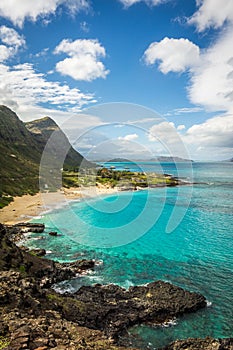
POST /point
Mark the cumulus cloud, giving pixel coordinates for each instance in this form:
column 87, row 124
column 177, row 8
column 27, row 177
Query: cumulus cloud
column 5, row 53
column 174, row 55
column 214, row 132
column 212, row 13
column 130, row 137
column 12, row 40
column 212, row 81
column 162, row 131
column 83, row 62
column 166, row 134
column 128, row 3
column 10, row 37
column 22, row 86
column 211, row 70
column 17, row 11
column 180, row 127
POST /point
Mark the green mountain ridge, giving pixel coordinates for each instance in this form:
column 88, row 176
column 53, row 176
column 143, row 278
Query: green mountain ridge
column 43, row 128
column 21, row 149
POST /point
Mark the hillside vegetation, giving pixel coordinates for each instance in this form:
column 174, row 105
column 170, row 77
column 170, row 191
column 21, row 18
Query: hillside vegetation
column 21, row 149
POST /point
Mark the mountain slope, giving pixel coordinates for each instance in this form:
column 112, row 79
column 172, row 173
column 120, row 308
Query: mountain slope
column 19, row 156
column 43, row 128
column 21, row 149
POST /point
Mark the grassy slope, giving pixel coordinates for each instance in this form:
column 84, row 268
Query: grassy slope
column 19, row 157
column 21, row 148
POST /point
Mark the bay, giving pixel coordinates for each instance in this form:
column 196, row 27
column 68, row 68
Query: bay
column 196, row 255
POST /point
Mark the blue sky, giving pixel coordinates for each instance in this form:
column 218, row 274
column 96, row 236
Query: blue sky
column 175, row 57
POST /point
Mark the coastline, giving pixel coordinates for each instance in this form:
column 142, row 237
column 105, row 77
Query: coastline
column 28, row 206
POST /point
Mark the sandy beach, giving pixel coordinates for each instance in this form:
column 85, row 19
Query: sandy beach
column 24, row 208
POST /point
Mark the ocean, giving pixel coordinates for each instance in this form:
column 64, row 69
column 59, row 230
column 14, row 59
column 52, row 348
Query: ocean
column 178, row 234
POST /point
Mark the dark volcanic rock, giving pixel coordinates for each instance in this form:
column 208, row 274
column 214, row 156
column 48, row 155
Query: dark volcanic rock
column 33, row 316
column 78, row 265
column 31, row 227
column 46, row 271
column 113, row 309
column 53, row 233
column 201, row 344
column 38, row 252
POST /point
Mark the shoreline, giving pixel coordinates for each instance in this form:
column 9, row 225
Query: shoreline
column 24, row 208
column 27, row 207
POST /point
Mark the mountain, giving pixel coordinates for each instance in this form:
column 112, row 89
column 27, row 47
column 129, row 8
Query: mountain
column 167, row 159
column 162, row 159
column 43, row 128
column 21, row 150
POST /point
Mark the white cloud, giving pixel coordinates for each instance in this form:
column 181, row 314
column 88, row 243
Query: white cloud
column 5, row 53
column 214, row 132
column 130, row 137
column 84, row 26
column 22, row 86
column 12, row 40
column 185, row 110
column 181, row 127
column 175, row 55
column 17, row 11
column 166, row 135
column 80, row 47
column 161, row 131
column 211, row 70
column 212, row 13
column 10, row 37
column 83, row 62
column 212, row 81
column 128, row 3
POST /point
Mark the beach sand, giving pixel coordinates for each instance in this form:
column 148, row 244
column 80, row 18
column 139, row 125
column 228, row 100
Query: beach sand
column 24, row 208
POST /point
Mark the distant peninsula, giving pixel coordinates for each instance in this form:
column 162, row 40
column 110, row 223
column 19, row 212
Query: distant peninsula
column 161, row 159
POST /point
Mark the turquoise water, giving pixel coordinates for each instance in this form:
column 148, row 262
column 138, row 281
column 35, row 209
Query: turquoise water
column 196, row 255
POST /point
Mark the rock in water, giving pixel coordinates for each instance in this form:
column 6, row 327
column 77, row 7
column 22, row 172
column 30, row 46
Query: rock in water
column 113, row 309
column 53, row 233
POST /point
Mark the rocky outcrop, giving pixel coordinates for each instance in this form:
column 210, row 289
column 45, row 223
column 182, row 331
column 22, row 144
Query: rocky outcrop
column 31, row 227
column 45, row 271
column 34, row 316
column 201, row 344
column 29, row 321
column 113, row 309
column 53, row 233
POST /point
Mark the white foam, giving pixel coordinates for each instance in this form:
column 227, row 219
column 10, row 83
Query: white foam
column 38, row 217
column 127, row 284
column 170, row 323
column 63, row 287
column 99, row 262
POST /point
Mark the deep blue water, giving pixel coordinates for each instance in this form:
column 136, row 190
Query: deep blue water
column 130, row 233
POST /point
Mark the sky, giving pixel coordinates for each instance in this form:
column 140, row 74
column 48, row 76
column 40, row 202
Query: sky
column 129, row 78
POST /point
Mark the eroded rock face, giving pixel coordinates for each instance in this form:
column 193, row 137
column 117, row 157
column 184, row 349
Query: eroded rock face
column 201, row 344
